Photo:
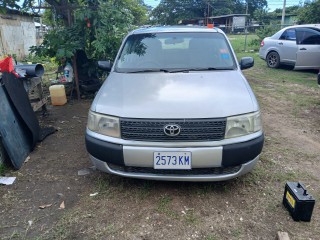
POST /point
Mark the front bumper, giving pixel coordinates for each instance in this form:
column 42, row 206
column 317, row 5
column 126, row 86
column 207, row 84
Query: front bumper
column 209, row 163
column 120, row 171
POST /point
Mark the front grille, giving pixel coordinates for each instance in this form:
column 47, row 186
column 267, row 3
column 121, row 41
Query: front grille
column 195, row 171
column 191, row 129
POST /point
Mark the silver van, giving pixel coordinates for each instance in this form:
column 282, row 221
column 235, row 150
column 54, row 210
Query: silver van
column 175, row 107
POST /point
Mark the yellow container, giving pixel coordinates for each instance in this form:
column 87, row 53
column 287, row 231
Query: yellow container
column 58, row 95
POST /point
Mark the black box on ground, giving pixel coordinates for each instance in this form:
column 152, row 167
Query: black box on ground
column 298, row 202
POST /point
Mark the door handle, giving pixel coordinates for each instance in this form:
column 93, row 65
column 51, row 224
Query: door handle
column 303, row 49
column 280, row 43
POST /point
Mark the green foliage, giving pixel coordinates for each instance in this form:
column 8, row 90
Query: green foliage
column 238, row 43
column 170, row 12
column 98, row 29
column 60, row 42
column 8, row 4
column 310, row 13
column 3, row 169
column 263, row 16
column 51, row 18
column 115, row 21
column 289, row 10
column 266, row 31
column 36, row 59
column 138, row 10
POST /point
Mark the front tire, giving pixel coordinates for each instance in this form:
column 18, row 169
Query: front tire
column 273, row 60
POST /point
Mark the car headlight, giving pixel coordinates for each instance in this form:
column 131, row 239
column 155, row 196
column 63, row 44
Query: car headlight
column 243, row 125
column 103, row 124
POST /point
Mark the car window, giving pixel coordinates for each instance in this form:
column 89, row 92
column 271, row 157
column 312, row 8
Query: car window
column 289, row 34
column 171, row 51
column 308, row 36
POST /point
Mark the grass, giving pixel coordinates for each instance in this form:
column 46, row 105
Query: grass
column 211, row 237
column 283, row 75
column 102, row 185
column 163, row 204
column 190, row 217
column 261, row 188
column 145, row 189
column 297, row 87
column 239, row 42
column 298, row 93
column 164, row 207
column 3, row 169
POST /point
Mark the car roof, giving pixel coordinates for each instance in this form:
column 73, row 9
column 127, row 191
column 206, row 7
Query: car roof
column 278, row 34
column 305, row 25
column 161, row 29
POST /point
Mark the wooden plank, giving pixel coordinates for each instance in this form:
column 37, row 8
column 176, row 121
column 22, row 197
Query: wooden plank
column 39, row 104
column 282, row 236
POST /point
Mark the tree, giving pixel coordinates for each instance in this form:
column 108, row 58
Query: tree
column 98, row 28
column 8, row 3
column 310, row 13
column 254, row 5
column 170, row 12
column 63, row 9
column 289, row 10
column 263, row 16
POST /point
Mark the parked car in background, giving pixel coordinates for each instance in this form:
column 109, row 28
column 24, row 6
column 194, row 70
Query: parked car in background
column 298, row 46
column 176, row 107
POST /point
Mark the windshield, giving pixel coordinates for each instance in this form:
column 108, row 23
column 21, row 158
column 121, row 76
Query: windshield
column 175, row 51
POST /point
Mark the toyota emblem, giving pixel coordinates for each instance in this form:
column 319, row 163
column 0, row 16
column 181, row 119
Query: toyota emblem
column 172, row 130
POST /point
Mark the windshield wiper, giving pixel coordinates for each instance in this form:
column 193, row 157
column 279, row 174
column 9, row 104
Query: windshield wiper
column 199, row 69
column 178, row 70
column 148, row 70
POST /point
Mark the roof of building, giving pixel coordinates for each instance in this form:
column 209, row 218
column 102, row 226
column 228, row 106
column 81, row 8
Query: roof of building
column 230, row 15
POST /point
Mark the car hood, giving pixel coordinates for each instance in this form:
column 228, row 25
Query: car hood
column 209, row 94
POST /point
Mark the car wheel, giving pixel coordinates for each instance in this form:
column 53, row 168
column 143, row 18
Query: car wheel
column 273, row 60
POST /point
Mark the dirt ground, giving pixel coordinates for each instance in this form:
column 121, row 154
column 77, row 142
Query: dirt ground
column 246, row 208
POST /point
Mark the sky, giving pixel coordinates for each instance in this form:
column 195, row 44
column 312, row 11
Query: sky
column 272, row 4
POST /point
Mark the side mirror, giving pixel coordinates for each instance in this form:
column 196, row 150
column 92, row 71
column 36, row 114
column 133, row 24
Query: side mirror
column 105, row 65
column 246, row 62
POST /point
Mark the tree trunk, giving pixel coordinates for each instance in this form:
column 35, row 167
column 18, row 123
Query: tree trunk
column 64, row 9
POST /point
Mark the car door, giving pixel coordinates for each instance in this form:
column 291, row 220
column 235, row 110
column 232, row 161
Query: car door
column 287, row 46
column 308, row 55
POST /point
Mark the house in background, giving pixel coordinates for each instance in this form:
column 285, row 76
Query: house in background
column 41, row 30
column 231, row 23
column 289, row 19
column 17, row 33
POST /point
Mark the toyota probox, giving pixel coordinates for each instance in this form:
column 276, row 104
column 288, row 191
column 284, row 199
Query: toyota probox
column 175, row 107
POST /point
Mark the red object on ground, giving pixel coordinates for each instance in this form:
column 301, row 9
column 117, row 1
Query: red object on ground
column 6, row 65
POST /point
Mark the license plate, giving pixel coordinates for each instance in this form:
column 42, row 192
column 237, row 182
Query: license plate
column 172, row 160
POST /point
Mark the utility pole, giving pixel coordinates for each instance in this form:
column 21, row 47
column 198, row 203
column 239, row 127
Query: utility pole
column 208, row 14
column 245, row 28
column 283, row 13
column 247, row 7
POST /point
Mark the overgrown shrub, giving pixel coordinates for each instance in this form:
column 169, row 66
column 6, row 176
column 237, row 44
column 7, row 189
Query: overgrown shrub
column 266, row 31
